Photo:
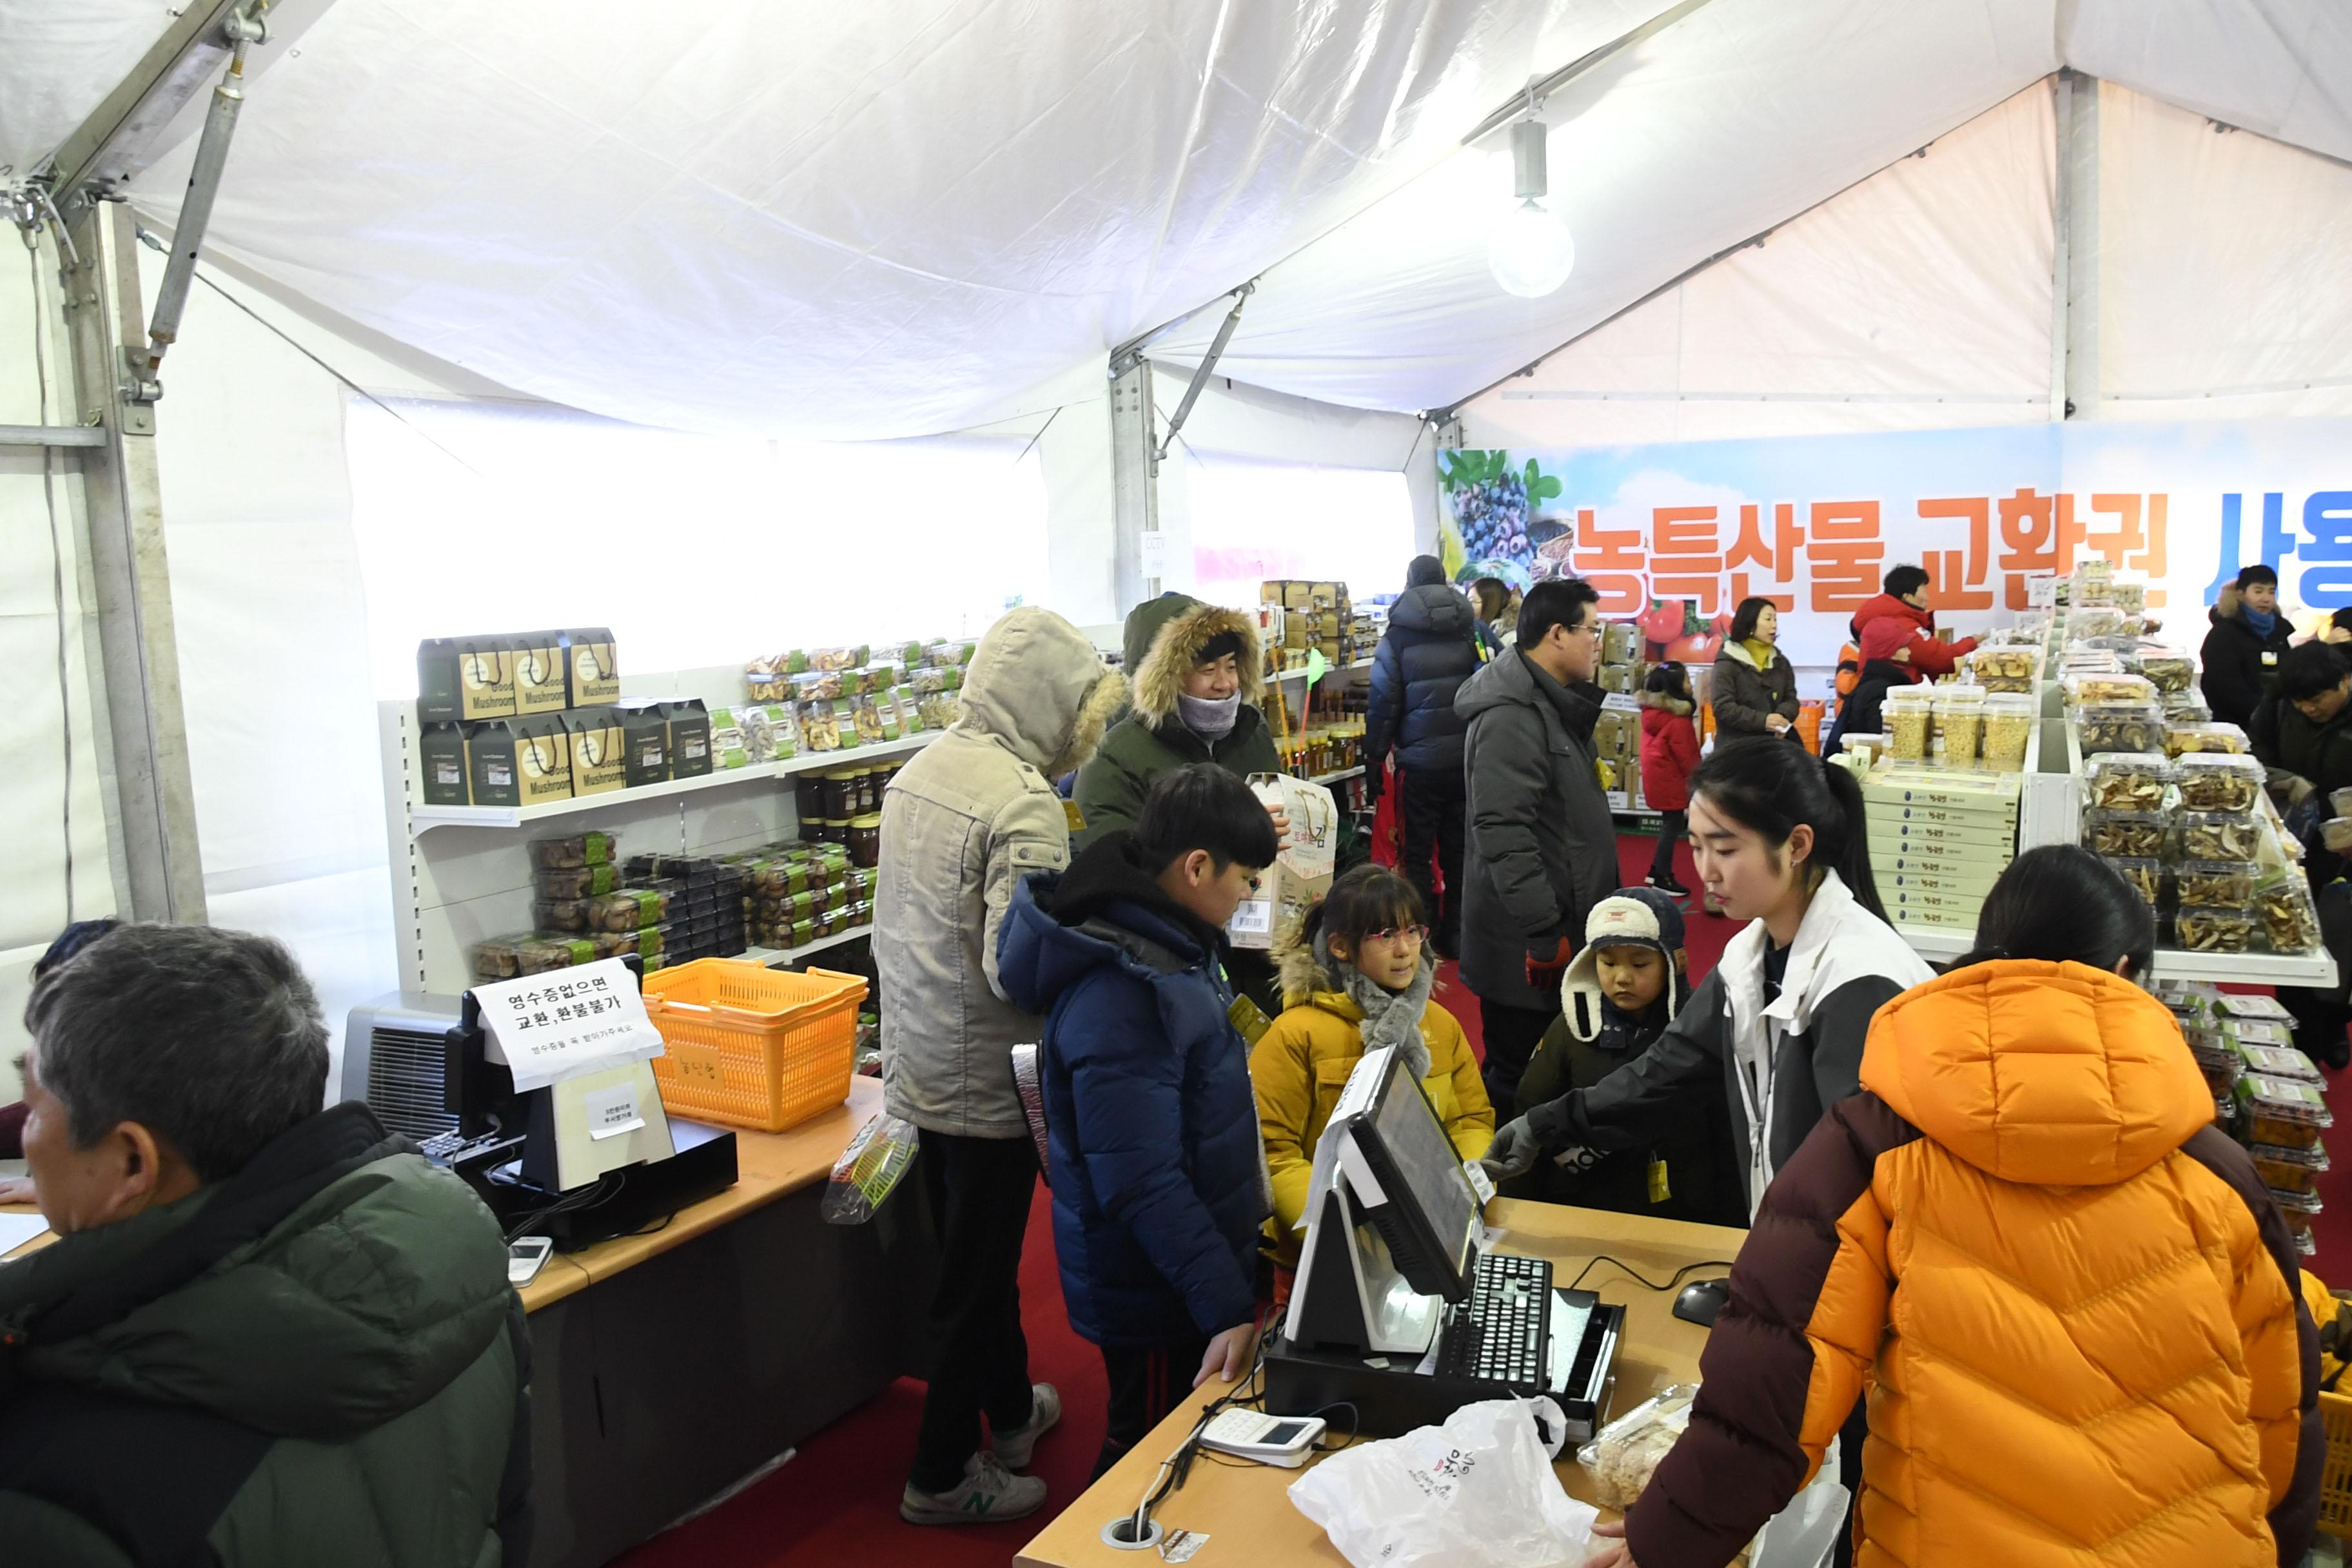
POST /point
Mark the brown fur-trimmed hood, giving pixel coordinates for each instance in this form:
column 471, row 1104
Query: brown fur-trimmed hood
column 1296, row 967
column 1666, row 701
column 1156, row 683
column 1038, row 684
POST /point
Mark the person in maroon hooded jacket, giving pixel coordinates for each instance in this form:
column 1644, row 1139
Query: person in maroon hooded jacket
column 1906, row 601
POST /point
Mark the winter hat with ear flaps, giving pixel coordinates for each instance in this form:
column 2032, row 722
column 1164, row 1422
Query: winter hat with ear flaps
column 1630, row 916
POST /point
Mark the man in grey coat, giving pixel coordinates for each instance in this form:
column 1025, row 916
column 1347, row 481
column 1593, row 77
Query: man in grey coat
column 970, row 816
column 1542, row 848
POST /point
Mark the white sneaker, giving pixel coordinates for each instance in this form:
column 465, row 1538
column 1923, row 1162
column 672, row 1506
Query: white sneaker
column 1015, row 1449
column 988, row 1493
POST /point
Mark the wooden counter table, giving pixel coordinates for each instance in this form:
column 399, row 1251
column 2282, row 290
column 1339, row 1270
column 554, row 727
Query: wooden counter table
column 1246, row 1511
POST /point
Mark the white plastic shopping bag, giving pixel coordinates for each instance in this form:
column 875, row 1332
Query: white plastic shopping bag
column 1803, row 1534
column 1478, row 1492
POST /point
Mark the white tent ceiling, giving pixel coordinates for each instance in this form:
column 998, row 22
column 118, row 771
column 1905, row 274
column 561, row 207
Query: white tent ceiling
column 755, row 216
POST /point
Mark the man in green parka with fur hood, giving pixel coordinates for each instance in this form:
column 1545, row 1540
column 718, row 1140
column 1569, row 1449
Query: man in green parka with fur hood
column 1195, row 675
column 267, row 1335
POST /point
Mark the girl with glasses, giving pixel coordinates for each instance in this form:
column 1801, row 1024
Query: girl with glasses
column 1356, row 977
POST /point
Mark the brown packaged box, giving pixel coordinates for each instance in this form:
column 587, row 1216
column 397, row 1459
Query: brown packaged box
column 590, row 672
column 645, row 740
column 540, row 686
column 600, row 755
column 491, row 775
column 689, row 737
column 465, row 679
column 542, row 755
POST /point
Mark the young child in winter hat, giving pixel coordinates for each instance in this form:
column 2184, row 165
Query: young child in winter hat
column 1356, row 975
column 1628, row 981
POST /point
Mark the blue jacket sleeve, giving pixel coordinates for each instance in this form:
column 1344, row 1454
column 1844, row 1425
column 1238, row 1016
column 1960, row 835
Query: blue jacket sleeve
column 1126, row 1088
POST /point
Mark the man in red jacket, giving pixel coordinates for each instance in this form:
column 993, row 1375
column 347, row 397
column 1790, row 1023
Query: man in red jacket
column 1906, row 599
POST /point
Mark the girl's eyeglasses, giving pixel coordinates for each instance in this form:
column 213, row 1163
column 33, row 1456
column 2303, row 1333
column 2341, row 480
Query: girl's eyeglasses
column 1398, row 934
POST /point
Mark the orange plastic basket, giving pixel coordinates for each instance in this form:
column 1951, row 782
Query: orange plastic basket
column 2335, row 1475
column 753, row 1047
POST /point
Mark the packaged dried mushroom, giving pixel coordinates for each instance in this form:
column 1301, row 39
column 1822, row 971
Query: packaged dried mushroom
column 2119, row 727
column 2216, row 884
column 2213, row 930
column 2168, row 671
column 2288, row 919
column 2283, row 1112
column 1622, row 1454
column 2195, row 736
column 2123, row 834
column 2125, row 781
column 2144, row 874
column 2208, row 837
column 2083, row 690
column 2216, row 780
column 2004, row 669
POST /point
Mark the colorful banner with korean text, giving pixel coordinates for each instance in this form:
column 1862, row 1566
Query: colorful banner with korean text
column 1681, row 533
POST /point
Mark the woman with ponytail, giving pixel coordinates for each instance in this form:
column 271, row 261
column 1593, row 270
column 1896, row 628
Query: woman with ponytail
column 1780, row 842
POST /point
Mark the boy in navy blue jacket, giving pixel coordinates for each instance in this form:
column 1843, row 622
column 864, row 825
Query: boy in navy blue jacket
column 1159, row 1184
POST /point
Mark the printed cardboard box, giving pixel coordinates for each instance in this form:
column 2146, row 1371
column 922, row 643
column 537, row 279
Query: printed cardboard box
column 1302, row 872
column 542, row 755
column 592, row 670
column 441, row 765
column 539, row 680
column 644, row 740
column 465, row 679
column 600, row 756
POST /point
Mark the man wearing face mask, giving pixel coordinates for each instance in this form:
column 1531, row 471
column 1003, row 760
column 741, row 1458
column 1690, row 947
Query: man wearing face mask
column 1194, row 678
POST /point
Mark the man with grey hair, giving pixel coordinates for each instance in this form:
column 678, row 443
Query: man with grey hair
column 267, row 1332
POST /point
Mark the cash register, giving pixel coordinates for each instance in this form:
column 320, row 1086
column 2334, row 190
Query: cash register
column 1399, row 1308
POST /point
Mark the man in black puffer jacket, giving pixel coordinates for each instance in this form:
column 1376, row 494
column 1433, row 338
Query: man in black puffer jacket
column 1432, row 647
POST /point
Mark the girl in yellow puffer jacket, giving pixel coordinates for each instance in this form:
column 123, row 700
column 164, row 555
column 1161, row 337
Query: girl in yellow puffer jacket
column 2073, row 1306
column 1356, row 974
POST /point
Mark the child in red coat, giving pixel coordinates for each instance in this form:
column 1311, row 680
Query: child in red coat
column 1669, row 754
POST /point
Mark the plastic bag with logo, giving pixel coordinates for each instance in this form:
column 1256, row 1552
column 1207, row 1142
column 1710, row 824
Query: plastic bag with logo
column 868, row 1170
column 1478, row 1492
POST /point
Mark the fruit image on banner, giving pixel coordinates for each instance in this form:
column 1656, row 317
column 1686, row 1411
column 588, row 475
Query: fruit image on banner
column 1490, row 526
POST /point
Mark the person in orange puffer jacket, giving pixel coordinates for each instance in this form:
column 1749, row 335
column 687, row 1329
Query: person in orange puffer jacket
column 1905, row 600
column 2074, row 1307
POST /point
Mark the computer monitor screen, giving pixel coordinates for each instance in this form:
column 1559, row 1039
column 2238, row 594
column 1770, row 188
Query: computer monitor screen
column 1415, row 1140
column 1411, row 1184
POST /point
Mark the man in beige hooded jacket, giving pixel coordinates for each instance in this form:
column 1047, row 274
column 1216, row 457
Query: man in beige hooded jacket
column 970, row 816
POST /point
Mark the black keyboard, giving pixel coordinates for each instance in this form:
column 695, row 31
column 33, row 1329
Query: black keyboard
column 1501, row 1333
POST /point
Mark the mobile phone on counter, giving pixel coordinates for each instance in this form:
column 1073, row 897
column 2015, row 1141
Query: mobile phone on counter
column 526, row 1257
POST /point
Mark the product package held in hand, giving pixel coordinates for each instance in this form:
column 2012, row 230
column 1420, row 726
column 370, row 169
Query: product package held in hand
column 1478, row 1492
column 1301, row 873
column 868, row 1170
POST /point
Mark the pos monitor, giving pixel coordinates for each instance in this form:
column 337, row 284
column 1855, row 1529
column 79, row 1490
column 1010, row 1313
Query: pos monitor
column 1394, row 1227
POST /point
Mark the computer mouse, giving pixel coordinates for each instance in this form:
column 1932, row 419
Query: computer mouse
column 1701, row 1299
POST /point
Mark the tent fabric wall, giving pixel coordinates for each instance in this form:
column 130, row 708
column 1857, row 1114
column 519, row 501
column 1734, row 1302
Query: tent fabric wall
column 2222, row 290
column 1919, row 299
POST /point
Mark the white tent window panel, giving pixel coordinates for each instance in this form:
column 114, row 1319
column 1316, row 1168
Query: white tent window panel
column 694, row 549
column 2224, row 292
column 1919, row 299
column 1252, row 521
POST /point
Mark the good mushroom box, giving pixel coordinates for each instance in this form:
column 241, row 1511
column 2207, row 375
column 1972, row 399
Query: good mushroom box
column 1302, row 871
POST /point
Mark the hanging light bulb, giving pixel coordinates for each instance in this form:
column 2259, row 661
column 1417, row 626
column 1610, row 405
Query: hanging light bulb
column 1529, row 252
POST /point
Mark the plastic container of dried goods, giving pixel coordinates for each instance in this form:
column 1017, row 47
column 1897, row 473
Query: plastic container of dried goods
column 576, row 881
column 2216, row 884
column 2005, row 669
column 2125, row 781
column 2284, row 902
column 2295, row 1186
column 2278, row 1061
column 560, row 915
column 2087, row 691
column 2133, row 835
column 1959, row 713
column 2243, row 1004
column 500, row 958
column 2186, row 708
column 1908, row 713
column 576, row 849
column 2217, row 781
column 2219, row 836
column 2213, row 930
column 822, row 726
column 2257, row 1032
column 544, row 954
column 2145, row 873
column 2168, row 671
column 2085, row 621
column 2008, row 730
column 626, row 909
column 2119, row 727
column 1622, row 1454
column 2194, row 737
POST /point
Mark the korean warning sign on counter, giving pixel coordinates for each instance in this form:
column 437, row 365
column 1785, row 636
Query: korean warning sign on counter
column 546, row 1027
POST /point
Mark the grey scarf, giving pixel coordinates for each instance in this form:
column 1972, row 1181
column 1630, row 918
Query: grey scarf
column 1211, row 720
column 1391, row 1017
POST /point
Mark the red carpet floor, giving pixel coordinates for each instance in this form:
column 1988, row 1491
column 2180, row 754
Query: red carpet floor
column 837, row 1500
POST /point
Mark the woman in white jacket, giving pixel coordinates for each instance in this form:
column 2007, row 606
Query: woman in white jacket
column 1780, row 841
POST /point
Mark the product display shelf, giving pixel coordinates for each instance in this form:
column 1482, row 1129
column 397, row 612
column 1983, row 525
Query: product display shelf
column 1344, row 774
column 1300, row 673
column 422, row 818
column 780, row 957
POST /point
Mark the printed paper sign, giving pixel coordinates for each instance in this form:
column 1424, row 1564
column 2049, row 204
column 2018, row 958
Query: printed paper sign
column 544, row 1026
column 612, row 1111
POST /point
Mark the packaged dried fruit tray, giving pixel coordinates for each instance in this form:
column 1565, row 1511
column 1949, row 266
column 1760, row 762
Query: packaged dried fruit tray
column 2192, row 737
column 2283, row 1111
column 2213, row 836
column 2134, row 835
column 2216, row 884
column 2168, row 671
column 2125, row 781
column 2279, row 1062
column 2145, row 873
column 2005, row 669
column 2085, row 690
column 2119, row 727
column 2213, row 930
column 2284, row 902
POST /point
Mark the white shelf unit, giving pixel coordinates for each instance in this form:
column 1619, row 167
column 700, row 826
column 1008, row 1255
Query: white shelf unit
column 461, row 875
column 1288, row 676
column 1344, row 774
column 780, row 957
